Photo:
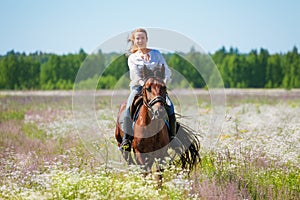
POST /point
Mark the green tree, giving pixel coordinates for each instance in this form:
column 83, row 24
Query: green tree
column 115, row 70
column 9, row 71
column 219, row 56
column 49, row 73
column 274, row 74
column 261, row 67
column 252, row 65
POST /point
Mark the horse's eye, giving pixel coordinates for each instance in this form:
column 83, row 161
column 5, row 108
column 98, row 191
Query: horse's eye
column 148, row 89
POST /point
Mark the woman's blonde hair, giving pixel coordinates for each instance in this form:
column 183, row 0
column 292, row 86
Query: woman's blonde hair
column 133, row 48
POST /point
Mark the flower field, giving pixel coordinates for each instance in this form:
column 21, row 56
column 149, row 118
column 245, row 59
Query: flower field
column 254, row 155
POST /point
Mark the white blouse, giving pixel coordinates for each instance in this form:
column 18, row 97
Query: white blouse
column 136, row 64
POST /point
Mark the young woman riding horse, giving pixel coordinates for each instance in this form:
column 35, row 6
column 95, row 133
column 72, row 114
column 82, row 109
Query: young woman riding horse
column 142, row 56
column 152, row 135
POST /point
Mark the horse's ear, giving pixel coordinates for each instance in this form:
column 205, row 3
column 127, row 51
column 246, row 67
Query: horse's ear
column 146, row 72
column 159, row 71
column 162, row 71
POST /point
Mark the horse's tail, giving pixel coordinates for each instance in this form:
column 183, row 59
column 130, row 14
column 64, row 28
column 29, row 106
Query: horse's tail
column 189, row 155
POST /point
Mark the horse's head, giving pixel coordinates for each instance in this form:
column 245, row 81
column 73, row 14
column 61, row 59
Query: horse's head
column 155, row 91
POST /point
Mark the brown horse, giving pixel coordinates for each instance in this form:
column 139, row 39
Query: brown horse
column 151, row 137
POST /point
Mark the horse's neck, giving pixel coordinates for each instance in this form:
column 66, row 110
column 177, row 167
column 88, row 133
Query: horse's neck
column 141, row 123
column 143, row 118
column 144, row 126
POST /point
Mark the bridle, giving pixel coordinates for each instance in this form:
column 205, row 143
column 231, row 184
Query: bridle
column 154, row 101
column 149, row 104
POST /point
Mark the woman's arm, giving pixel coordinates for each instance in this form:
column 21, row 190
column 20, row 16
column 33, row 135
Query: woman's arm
column 134, row 71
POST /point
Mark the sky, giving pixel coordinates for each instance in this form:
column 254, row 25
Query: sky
column 66, row 26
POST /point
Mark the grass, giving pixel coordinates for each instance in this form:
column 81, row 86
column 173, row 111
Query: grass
column 253, row 179
column 42, row 156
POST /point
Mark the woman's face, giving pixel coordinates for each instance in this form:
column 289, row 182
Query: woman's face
column 140, row 40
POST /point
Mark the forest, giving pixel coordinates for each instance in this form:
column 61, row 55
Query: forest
column 48, row 71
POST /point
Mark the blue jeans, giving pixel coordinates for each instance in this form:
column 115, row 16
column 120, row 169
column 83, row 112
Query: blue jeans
column 127, row 127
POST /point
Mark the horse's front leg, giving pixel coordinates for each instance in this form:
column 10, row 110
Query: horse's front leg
column 127, row 157
column 144, row 161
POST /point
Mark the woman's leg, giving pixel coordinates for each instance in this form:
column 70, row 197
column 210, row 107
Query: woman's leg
column 127, row 125
column 171, row 115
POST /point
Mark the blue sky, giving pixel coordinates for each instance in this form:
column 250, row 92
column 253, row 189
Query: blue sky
column 65, row 26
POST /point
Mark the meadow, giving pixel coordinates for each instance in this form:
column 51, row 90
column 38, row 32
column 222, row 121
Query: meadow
column 255, row 154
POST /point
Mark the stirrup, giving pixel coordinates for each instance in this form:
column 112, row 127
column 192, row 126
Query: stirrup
column 125, row 145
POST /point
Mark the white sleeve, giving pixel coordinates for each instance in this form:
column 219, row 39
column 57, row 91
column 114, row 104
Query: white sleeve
column 134, row 70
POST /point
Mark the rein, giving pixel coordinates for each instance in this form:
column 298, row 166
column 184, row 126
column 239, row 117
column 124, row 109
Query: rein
column 154, row 101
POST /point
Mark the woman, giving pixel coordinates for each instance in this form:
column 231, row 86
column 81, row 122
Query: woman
column 139, row 56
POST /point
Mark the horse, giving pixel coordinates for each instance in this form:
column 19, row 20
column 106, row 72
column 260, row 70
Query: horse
column 151, row 135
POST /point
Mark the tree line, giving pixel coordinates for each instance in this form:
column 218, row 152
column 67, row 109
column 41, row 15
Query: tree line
column 45, row 71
